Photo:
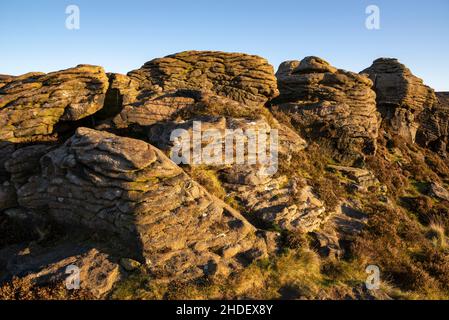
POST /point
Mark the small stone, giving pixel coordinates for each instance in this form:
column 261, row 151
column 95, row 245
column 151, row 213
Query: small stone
column 129, row 264
column 438, row 191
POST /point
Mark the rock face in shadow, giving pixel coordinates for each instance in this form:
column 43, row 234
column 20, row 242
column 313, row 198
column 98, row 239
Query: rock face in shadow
column 333, row 106
column 32, row 104
column 7, row 196
column 402, row 98
column 434, row 126
column 24, row 163
column 129, row 188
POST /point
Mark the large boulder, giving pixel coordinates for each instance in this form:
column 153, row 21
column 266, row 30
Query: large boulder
column 164, row 87
column 132, row 190
column 32, row 104
column 245, row 78
column 332, row 106
column 402, row 98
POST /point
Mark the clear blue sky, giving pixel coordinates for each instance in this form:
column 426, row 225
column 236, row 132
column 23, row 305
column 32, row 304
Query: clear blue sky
column 122, row 35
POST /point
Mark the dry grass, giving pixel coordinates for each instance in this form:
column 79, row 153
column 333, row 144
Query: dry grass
column 294, row 274
column 397, row 244
column 312, row 164
column 208, row 178
column 24, row 289
column 437, row 234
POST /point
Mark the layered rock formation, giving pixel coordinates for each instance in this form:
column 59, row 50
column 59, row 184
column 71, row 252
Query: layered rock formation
column 245, row 78
column 269, row 198
column 335, row 106
column 128, row 187
column 173, row 92
column 7, row 196
column 433, row 131
column 90, row 151
column 31, row 105
column 4, row 79
column 122, row 186
column 98, row 271
column 165, row 86
column 401, row 97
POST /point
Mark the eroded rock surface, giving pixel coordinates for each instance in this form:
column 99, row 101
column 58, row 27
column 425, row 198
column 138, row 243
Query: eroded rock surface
column 438, row 191
column 401, row 97
column 245, row 78
column 114, row 181
column 24, row 162
column 332, row 239
column 363, row 179
column 336, row 106
column 7, row 196
column 98, row 271
column 434, row 125
column 32, row 104
column 266, row 197
column 126, row 186
column 191, row 79
column 4, row 79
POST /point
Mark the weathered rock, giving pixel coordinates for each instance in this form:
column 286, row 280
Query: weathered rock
column 434, row 125
column 127, row 187
column 32, row 104
column 97, row 270
column 4, row 79
column 305, row 212
column 129, row 264
column 339, row 230
column 8, row 197
column 228, row 128
column 363, row 178
column 334, row 106
column 190, row 80
column 151, row 111
column 6, row 149
column 245, row 78
column 24, row 163
column 265, row 196
column 401, row 96
column 438, row 191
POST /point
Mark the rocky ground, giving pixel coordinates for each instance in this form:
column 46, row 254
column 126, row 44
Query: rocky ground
column 86, row 180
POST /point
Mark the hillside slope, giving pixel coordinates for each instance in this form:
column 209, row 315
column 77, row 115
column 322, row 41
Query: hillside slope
column 86, row 180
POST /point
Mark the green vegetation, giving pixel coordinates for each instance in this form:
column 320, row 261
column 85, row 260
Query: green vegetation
column 293, row 274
